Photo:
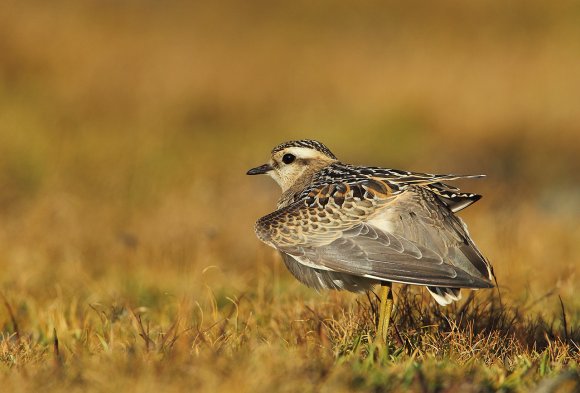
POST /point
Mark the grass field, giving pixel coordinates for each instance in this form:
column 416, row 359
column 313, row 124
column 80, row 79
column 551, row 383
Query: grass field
column 128, row 257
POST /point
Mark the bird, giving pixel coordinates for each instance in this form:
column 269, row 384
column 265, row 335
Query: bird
column 346, row 227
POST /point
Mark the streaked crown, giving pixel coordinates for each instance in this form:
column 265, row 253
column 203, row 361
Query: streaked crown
column 305, row 143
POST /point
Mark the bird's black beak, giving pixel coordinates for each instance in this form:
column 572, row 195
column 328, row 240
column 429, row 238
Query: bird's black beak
column 260, row 170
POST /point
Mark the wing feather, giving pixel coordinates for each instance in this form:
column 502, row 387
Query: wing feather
column 375, row 229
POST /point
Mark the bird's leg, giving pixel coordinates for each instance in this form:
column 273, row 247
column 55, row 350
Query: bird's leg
column 386, row 296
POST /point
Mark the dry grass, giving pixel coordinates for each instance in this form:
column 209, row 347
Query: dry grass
column 125, row 216
column 281, row 343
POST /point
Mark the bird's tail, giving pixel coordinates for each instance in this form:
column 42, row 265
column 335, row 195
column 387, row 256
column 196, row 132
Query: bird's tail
column 445, row 296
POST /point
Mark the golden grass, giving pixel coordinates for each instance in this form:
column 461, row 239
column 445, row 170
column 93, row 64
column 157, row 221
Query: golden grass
column 126, row 218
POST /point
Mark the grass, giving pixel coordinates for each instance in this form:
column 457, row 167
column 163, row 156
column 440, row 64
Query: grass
column 273, row 341
column 126, row 217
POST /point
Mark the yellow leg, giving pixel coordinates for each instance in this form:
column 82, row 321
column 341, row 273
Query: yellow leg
column 386, row 307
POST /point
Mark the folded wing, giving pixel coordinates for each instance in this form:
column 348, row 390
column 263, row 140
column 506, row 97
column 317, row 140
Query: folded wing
column 374, row 229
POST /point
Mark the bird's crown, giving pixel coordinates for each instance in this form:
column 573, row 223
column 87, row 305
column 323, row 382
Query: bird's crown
column 305, row 143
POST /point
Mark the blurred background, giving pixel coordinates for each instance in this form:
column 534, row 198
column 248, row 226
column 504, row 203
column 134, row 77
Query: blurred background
column 126, row 129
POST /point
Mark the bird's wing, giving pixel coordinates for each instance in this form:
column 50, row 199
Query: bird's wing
column 374, row 228
column 451, row 196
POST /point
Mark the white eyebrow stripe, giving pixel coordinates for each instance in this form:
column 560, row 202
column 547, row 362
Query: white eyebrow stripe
column 304, row 152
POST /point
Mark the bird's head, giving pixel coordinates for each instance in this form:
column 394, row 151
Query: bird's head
column 290, row 161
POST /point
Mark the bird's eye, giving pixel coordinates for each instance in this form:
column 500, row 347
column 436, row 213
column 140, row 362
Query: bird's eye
column 288, row 158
